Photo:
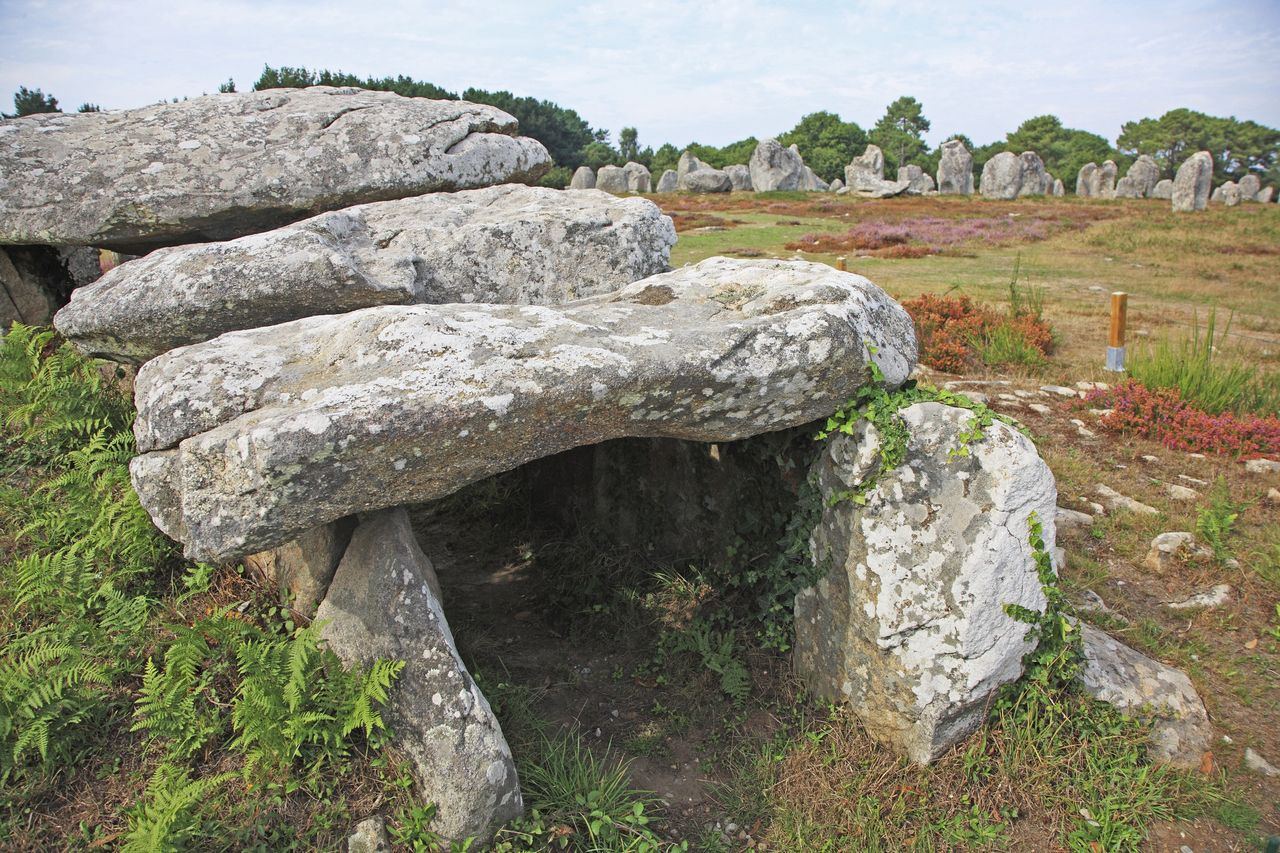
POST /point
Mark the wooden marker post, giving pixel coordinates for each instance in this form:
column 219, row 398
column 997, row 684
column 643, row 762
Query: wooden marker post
column 1115, row 343
column 840, row 264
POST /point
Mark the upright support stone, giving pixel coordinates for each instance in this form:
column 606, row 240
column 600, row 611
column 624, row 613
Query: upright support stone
column 908, row 625
column 302, row 569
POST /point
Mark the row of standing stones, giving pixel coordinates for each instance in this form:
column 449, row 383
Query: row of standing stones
column 343, row 306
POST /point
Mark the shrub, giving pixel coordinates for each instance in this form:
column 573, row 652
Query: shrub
column 956, row 334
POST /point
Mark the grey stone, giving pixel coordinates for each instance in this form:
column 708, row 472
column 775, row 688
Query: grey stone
column 669, row 182
column 864, row 176
column 611, row 179
column 510, row 244
column 384, row 602
column 909, row 625
column 1166, row 549
column 918, row 182
column 1142, row 687
column 1216, row 195
column 302, row 569
column 1087, row 181
column 1059, row 188
column 1163, row 189
column 638, row 178
column 836, row 186
column 689, row 163
column 221, row 166
column 1181, row 493
column 1192, row 183
column 1250, row 185
column 740, row 176
column 1262, row 466
column 1002, row 176
column 775, row 168
column 810, row 182
column 1230, row 194
column 1264, row 195
column 1255, row 762
column 1116, row 501
column 706, row 181
column 1107, row 173
column 370, row 836
column 255, row 436
column 584, row 178
column 955, row 169
column 1215, row 597
column 31, row 278
column 1035, row 180
column 1127, row 187
column 1143, row 176
column 1068, row 519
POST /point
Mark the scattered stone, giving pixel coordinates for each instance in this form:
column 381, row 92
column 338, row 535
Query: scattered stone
column 1181, row 493
column 1093, row 386
column 1068, row 519
column 384, row 602
column 611, row 179
column 253, row 437
column 1100, row 413
column 1040, row 409
column 1002, row 176
column 510, row 244
column 1193, row 480
column 1273, row 496
column 226, row 165
column 1060, row 390
column 1116, row 501
column 836, row 186
column 1166, row 549
column 955, row 169
column 918, row 659
column 584, row 178
column 1150, row 459
column 669, row 182
column 918, row 181
column 1192, row 183
column 1262, row 466
column 739, row 177
column 370, row 837
column 638, row 178
column 1091, row 602
column 1139, row 686
column 775, row 168
column 1258, row 764
column 1163, row 189
column 1214, row 597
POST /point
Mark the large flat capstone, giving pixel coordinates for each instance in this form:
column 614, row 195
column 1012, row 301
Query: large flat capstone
column 256, row 436
column 221, row 166
column 510, row 244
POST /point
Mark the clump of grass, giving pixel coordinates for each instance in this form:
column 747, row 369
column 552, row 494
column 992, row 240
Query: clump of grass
column 1213, row 382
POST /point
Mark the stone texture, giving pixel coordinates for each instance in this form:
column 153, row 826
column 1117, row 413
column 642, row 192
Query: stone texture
column 584, row 178
column 689, row 163
column 370, row 836
column 510, row 244
column 384, row 602
column 255, row 436
column 1215, row 596
column 1002, row 176
column 1166, row 550
column 1059, row 188
column 740, row 177
column 1262, row 466
column 836, row 185
column 775, row 168
column 1163, row 189
column 1087, row 181
column 918, row 181
column 1069, row 518
column 1143, row 176
column 611, row 179
column 1250, row 185
column 1230, row 194
column 706, row 181
column 908, row 626
column 302, row 569
column 955, row 169
column 864, row 176
column 1142, row 687
column 1264, row 195
column 1181, row 493
column 221, row 166
column 638, row 178
column 31, row 279
column 1255, row 762
column 1127, row 187
column 1107, row 173
column 1035, row 180
column 669, row 182
column 810, row 182
column 1192, row 183
column 1115, row 501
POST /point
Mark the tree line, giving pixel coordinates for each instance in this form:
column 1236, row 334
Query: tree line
column 826, row 141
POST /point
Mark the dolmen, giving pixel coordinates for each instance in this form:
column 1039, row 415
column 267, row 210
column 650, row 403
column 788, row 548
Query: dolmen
column 319, row 352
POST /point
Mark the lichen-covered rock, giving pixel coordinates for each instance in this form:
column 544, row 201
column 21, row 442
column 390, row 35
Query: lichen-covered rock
column 706, row 180
column 1002, row 176
column 918, row 181
column 740, row 177
column 864, row 176
column 1250, row 185
column 221, row 166
column 384, row 602
column 669, row 182
column 1035, row 180
column 775, row 168
column 510, row 244
column 30, row 277
column 612, row 179
column 638, row 178
column 955, row 169
column 1143, row 176
column 584, row 178
column 1163, row 189
column 1192, row 183
column 302, row 569
column 1142, row 687
column 836, row 186
column 1107, row 173
column 255, row 436
column 688, row 162
column 1087, row 181
column 1059, row 188
column 370, row 836
column 811, row 183
column 908, row 626
column 1264, row 195
column 1230, row 194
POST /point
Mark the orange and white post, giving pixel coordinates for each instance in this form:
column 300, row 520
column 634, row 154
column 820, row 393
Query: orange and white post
column 1115, row 344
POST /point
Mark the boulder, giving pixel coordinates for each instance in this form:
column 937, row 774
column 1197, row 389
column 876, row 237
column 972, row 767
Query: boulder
column 1168, row 549
column 1127, row 187
column 909, row 625
column 775, row 168
column 1163, row 189
column 511, row 244
column 740, row 176
column 1264, row 195
column 302, row 569
column 638, row 178
column 955, row 169
column 1250, row 185
column 1230, row 194
column 1143, row 176
column 370, row 836
column 689, row 163
column 251, row 438
column 706, row 181
column 1192, row 183
column 1142, row 687
column 1059, row 188
column 836, row 186
column 1087, row 181
column 1035, row 180
column 584, row 178
column 918, row 182
column 865, row 176
column 810, row 182
column 612, row 179
column 222, row 166
column 1107, row 179
column 384, row 602
column 1002, row 176
column 1216, row 195
column 669, row 182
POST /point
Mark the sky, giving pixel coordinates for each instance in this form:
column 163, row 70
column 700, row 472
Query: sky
column 711, row 71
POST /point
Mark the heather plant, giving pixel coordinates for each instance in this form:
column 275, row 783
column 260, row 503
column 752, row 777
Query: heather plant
column 956, row 334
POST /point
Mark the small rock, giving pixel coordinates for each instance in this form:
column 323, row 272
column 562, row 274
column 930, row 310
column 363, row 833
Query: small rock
column 1059, row 390
column 1100, row 413
column 1114, row 500
column 1040, row 408
column 1097, row 288
column 1258, row 764
column 1069, row 518
column 1093, row 386
column 1181, row 493
column 1085, row 432
column 370, row 837
column 1091, row 602
column 1197, row 456
column 1193, row 481
column 1022, row 393
column 977, row 397
column 1009, row 398
column 1201, row 600
column 1151, row 459
column 1165, row 549
column 1262, row 466
column 1273, row 496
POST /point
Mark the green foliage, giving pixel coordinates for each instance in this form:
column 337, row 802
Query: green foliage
column 169, row 817
column 286, row 77
column 717, row 653
column 87, row 107
column 1064, row 150
column 29, row 102
column 1238, row 147
column 1215, row 522
column 1002, row 344
column 900, row 134
column 826, row 143
column 227, row 87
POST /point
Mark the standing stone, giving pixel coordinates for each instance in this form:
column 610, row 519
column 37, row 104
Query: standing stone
column 1107, row 179
column 1265, row 194
column 909, row 625
column 1127, row 187
column 638, row 178
column 583, row 179
column 1143, row 176
column 775, row 168
column 1250, row 185
column 1216, row 195
column 384, row 602
column 706, row 181
column 1192, row 183
column 612, row 179
column 1002, row 176
column 301, row 570
column 1230, row 194
column 955, row 169
column 918, row 182
column 221, row 166
column 1059, row 188
column 1163, row 189
column 740, row 177
column 669, row 182
column 689, row 163
column 865, row 176
column 810, row 182
column 1087, row 181
column 1035, row 180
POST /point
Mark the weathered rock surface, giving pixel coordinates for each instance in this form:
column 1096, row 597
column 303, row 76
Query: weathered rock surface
column 1087, row 181
column 221, row 166
column 775, row 168
column 955, row 169
column 1215, row 596
column 612, row 179
column 384, row 602
column 31, row 279
column 1140, row 686
column 1059, row 188
column 836, row 186
column 1264, row 195
column 1107, row 173
column 810, row 182
column 1070, row 518
column 584, row 178
column 740, row 176
column 370, row 836
column 1250, row 185
column 1192, row 183
column 1002, row 176
column 918, row 182
column 1115, row 501
column 1230, row 194
column 1258, row 764
column 1035, row 180
column 706, row 180
column 908, row 626
column 1127, row 187
column 864, row 176
column 302, row 569
column 638, row 178
column 669, row 182
column 510, row 244
column 1163, row 189
column 688, row 162
column 1143, row 176
column 1167, row 549
column 255, row 436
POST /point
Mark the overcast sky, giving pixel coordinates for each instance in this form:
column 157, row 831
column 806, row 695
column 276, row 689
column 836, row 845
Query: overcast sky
column 711, row 71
